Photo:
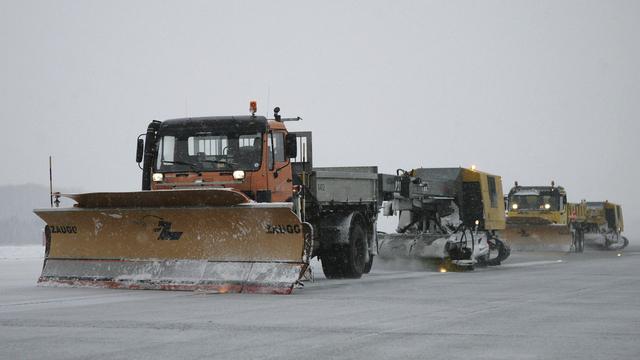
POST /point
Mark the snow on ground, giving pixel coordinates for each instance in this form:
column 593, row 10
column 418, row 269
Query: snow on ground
column 581, row 307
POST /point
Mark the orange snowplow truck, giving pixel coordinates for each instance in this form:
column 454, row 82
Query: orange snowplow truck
column 228, row 204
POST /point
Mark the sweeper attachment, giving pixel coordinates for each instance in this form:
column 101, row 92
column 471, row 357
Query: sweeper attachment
column 210, row 239
column 604, row 226
column 541, row 219
column 448, row 218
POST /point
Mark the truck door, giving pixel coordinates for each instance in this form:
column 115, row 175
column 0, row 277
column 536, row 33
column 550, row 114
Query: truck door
column 279, row 168
column 303, row 162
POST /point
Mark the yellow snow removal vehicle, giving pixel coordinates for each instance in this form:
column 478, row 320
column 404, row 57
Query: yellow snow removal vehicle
column 228, row 204
column 604, row 226
column 539, row 218
column 447, row 218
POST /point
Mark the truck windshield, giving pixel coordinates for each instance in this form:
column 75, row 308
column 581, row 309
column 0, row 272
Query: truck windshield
column 209, row 152
column 535, row 202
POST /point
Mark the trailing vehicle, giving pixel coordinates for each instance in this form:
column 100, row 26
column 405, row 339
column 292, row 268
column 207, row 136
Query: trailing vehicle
column 448, row 217
column 539, row 218
column 604, row 226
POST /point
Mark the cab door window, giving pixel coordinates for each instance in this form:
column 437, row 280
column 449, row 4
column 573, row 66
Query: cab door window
column 493, row 192
column 276, row 148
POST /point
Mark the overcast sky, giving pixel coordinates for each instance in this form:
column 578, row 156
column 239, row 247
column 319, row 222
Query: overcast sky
column 534, row 91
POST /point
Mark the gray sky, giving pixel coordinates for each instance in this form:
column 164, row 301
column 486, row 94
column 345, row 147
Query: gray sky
column 532, row 91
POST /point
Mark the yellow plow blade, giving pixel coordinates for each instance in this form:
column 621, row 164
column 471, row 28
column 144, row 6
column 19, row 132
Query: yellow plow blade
column 539, row 237
column 212, row 240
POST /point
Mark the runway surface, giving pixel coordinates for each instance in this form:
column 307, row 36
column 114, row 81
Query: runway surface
column 535, row 306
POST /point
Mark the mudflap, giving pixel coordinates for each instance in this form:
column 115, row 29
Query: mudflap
column 208, row 240
column 522, row 237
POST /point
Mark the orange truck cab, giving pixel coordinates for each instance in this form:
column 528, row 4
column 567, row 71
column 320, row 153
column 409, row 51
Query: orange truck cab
column 249, row 154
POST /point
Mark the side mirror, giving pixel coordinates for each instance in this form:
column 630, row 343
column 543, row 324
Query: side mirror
column 291, row 146
column 139, row 150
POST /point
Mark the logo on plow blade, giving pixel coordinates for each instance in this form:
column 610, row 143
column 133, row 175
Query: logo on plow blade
column 283, row 229
column 63, row 229
column 164, row 227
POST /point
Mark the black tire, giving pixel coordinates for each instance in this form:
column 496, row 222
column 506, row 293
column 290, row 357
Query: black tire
column 332, row 263
column 355, row 264
column 368, row 265
column 501, row 249
column 347, row 261
column 626, row 243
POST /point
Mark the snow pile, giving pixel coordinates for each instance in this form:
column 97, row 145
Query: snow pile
column 21, row 252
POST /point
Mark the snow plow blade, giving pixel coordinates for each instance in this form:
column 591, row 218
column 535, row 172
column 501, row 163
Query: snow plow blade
column 209, row 240
column 543, row 237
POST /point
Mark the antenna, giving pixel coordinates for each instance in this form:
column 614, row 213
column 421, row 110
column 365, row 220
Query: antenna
column 51, row 193
column 50, row 182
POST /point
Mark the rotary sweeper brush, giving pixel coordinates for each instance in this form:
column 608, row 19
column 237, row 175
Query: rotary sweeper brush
column 448, row 218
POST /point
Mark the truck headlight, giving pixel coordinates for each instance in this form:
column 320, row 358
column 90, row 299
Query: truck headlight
column 547, row 206
column 157, row 177
column 514, row 206
column 238, row 175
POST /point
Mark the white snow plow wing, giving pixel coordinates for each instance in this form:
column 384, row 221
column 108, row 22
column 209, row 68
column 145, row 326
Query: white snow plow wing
column 213, row 240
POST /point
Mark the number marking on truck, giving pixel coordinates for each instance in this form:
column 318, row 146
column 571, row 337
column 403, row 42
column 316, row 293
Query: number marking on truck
column 63, row 229
column 283, row 229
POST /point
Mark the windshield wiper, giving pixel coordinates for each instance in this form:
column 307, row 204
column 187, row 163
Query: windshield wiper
column 220, row 162
column 192, row 165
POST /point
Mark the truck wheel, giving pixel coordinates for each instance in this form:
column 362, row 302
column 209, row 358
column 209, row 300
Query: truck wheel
column 333, row 263
column 626, row 242
column 499, row 251
column 368, row 265
column 347, row 261
column 357, row 248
